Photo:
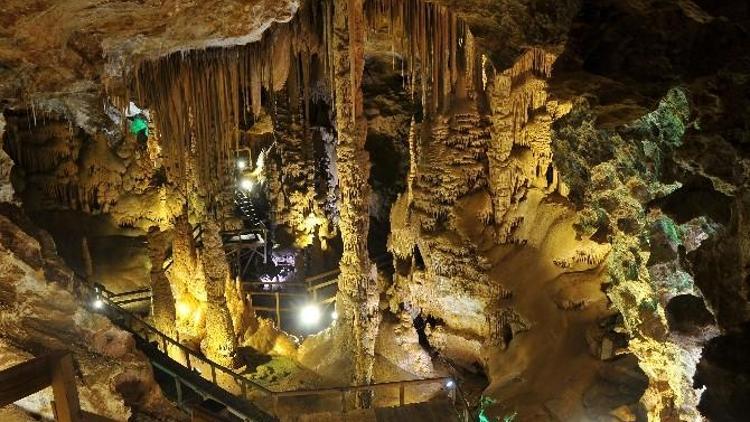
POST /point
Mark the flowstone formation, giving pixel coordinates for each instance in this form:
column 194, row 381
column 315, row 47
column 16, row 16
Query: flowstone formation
column 484, row 200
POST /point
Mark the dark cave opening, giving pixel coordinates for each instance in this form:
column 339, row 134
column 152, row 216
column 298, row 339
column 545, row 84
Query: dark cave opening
column 418, row 260
column 422, row 323
column 403, row 266
column 550, row 175
column 697, row 197
column 688, row 314
column 724, row 371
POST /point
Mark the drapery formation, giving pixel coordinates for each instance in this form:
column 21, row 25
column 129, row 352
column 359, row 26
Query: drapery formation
column 438, row 50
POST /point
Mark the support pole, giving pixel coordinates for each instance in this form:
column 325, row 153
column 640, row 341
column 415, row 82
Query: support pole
column 67, row 407
column 178, row 387
column 278, row 310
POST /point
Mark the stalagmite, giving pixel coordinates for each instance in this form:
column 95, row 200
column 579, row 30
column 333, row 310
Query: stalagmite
column 357, row 299
column 162, row 299
column 186, row 281
column 220, row 342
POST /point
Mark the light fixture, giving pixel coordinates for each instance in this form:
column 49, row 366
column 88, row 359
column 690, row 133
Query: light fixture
column 334, row 315
column 450, row 384
column 310, row 315
column 241, row 164
column 246, row 184
column 98, row 303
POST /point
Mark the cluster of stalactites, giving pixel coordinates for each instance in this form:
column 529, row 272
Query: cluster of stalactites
column 437, row 46
column 202, row 98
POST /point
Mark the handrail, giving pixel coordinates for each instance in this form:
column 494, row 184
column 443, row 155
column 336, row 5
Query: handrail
column 323, row 275
column 130, row 292
column 276, row 284
column 361, row 387
column 132, row 322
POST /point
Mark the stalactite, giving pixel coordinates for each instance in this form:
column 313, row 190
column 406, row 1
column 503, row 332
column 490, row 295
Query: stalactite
column 437, row 46
column 201, row 97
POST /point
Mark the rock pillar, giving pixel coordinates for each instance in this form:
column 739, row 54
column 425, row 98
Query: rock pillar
column 162, row 299
column 357, row 300
column 220, row 341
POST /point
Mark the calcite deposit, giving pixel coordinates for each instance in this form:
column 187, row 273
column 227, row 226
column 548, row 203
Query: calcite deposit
column 544, row 201
column 113, row 378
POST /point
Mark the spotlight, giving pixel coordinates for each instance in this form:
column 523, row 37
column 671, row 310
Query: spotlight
column 334, row 315
column 241, row 164
column 246, row 184
column 98, row 303
column 450, row 384
column 310, row 315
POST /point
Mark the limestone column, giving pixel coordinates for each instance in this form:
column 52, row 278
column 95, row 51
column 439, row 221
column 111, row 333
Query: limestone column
column 162, row 299
column 220, row 341
column 357, row 300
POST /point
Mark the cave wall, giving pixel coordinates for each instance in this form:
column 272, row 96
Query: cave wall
column 565, row 157
column 113, row 378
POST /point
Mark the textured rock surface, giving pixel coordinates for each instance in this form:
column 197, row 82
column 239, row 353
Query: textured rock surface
column 6, row 164
column 572, row 221
column 114, row 379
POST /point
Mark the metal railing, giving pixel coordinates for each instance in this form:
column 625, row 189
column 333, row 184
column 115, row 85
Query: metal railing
column 227, row 379
column 132, row 296
column 224, row 377
column 314, row 290
column 306, row 293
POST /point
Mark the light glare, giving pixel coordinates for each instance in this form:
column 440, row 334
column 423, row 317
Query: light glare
column 98, row 304
column 246, row 184
column 310, row 315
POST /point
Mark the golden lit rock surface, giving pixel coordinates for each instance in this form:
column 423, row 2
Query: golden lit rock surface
column 561, row 186
column 114, row 379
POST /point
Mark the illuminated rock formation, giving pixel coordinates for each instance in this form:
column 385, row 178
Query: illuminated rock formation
column 162, row 299
column 357, row 299
column 114, row 379
column 565, row 183
column 6, row 187
column 220, row 341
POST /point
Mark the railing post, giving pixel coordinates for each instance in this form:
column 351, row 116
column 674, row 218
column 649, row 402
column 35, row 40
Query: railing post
column 62, row 376
column 213, row 374
column 164, row 345
column 178, row 386
column 243, row 386
column 401, row 394
column 276, row 404
column 278, row 310
column 187, row 359
column 343, row 401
